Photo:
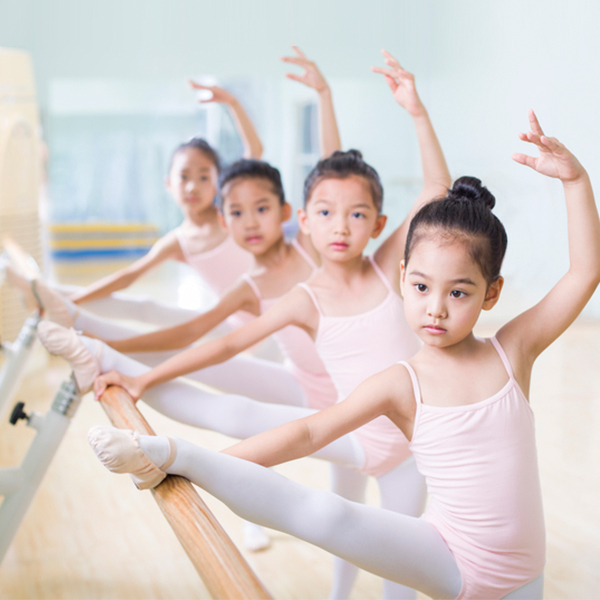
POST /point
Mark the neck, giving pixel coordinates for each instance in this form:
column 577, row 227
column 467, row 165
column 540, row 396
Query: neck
column 461, row 350
column 208, row 216
column 275, row 255
column 345, row 271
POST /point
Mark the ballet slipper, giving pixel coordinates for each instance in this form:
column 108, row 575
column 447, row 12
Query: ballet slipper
column 66, row 343
column 17, row 280
column 255, row 537
column 37, row 295
column 53, row 305
column 120, row 452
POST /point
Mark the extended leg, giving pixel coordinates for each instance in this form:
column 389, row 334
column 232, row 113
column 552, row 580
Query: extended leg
column 394, row 546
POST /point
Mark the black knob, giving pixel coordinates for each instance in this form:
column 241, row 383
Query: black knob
column 18, row 413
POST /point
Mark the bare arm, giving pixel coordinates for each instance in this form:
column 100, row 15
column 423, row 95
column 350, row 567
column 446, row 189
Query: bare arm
column 436, row 177
column 295, row 308
column 240, row 297
column 165, row 248
column 533, row 331
column 329, row 135
column 250, row 140
column 386, row 393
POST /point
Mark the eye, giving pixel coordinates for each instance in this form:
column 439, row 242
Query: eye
column 204, row 178
column 235, row 213
column 421, row 288
column 324, row 212
column 457, row 294
column 358, row 215
column 262, row 209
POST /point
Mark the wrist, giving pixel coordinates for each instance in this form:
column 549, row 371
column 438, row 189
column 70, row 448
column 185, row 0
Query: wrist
column 581, row 178
column 324, row 91
column 419, row 113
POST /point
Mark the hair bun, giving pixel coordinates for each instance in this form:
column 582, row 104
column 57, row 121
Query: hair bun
column 346, row 154
column 470, row 189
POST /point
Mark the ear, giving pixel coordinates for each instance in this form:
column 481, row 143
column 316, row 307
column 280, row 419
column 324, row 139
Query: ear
column 222, row 221
column 379, row 225
column 493, row 294
column 303, row 221
column 402, row 277
column 168, row 183
column 286, row 212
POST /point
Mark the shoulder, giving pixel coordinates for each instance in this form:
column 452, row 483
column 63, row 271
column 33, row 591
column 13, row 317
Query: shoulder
column 167, row 244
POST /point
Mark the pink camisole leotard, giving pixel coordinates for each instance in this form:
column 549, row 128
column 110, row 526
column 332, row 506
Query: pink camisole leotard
column 219, row 267
column 354, row 348
column 480, row 464
column 299, row 350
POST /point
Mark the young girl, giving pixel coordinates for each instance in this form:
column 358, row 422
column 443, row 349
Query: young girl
column 461, row 400
column 343, row 202
column 200, row 241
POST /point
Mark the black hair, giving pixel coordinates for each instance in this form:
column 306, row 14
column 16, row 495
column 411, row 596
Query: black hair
column 466, row 211
column 201, row 145
column 250, row 168
column 341, row 165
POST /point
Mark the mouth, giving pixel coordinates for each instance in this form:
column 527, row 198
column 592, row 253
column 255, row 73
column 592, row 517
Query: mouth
column 338, row 245
column 254, row 239
column 434, row 329
column 191, row 200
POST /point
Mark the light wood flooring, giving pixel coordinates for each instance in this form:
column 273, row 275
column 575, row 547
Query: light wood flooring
column 90, row 534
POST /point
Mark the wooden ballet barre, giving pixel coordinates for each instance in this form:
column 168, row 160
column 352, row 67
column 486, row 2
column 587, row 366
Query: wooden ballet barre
column 219, row 563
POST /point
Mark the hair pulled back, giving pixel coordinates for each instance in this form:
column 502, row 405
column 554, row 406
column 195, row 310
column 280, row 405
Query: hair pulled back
column 250, row 168
column 465, row 212
column 201, row 145
column 341, row 165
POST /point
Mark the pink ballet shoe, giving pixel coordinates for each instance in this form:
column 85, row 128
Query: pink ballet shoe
column 66, row 343
column 53, row 305
column 120, row 452
column 36, row 294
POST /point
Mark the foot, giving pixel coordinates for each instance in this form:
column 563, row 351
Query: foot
column 37, row 295
column 255, row 537
column 119, row 451
column 66, row 343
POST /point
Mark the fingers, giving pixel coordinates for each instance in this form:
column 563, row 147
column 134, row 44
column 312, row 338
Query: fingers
column 198, row 86
column 294, row 77
column 523, row 159
column 534, row 124
column 100, row 386
column 299, row 52
column 296, row 61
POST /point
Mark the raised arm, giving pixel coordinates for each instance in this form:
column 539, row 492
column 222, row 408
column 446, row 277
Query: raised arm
column 240, row 297
column 534, row 330
column 165, row 248
column 295, row 308
column 436, row 177
column 329, row 136
column 387, row 393
column 252, row 144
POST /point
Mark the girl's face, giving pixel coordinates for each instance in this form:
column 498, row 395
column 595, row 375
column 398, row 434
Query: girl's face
column 192, row 181
column 341, row 218
column 444, row 291
column 253, row 214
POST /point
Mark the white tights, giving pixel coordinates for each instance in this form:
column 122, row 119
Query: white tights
column 394, row 546
column 237, row 416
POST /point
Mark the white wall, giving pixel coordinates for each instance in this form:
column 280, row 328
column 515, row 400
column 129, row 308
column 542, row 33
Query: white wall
column 480, row 64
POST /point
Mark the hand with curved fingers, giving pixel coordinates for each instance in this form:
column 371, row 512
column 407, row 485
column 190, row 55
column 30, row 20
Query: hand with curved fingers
column 219, row 94
column 402, row 84
column 131, row 385
column 554, row 159
column 311, row 77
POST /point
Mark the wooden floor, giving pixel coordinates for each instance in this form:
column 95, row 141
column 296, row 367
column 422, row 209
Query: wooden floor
column 90, row 534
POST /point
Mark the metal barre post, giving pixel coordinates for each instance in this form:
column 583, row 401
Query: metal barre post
column 219, row 563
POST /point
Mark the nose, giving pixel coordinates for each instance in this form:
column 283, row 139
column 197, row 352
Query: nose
column 436, row 307
column 190, row 185
column 341, row 225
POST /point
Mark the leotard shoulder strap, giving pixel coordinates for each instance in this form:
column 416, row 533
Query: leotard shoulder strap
column 381, row 274
column 304, row 254
column 312, row 295
column 253, row 285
